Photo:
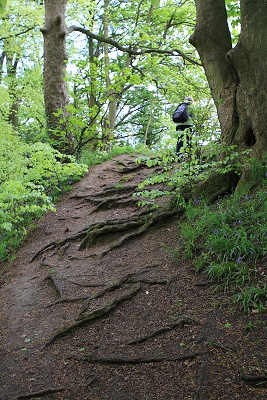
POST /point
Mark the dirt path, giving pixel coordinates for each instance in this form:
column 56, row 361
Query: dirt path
column 96, row 308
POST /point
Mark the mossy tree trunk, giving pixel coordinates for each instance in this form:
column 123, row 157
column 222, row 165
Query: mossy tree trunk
column 237, row 76
column 55, row 89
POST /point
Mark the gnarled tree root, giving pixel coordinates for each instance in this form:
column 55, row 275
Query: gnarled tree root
column 182, row 321
column 135, row 360
column 141, row 222
column 122, row 202
column 110, row 288
column 255, row 380
column 106, row 192
column 129, row 278
column 119, row 200
column 51, row 281
column 41, row 393
column 93, row 315
column 216, row 186
column 131, row 167
column 81, row 234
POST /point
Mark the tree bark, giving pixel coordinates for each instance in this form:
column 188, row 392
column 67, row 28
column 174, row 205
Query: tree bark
column 12, row 64
column 237, row 76
column 250, row 61
column 111, row 93
column 55, row 88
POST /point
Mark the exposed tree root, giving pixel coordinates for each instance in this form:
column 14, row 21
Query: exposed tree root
column 129, row 278
column 256, row 380
column 146, row 269
column 110, row 202
column 67, row 300
column 131, row 167
column 200, row 379
column 148, row 281
column 45, row 248
column 93, row 315
column 92, row 379
column 110, row 227
column 106, row 192
column 41, row 393
column 115, row 203
column 87, row 285
column 182, row 321
column 110, row 288
column 135, row 360
column 141, row 222
column 51, row 281
column 217, row 185
column 59, row 243
column 143, row 228
column 81, row 234
column 217, row 344
column 137, row 224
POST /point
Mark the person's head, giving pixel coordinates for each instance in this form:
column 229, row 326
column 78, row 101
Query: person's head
column 189, row 99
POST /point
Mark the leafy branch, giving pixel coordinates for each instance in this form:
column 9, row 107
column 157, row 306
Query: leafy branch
column 131, row 51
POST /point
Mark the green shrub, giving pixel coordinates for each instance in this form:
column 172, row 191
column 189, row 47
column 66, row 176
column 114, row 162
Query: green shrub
column 31, row 179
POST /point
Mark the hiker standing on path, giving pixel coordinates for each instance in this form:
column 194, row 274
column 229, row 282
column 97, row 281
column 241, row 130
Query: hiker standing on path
column 183, row 116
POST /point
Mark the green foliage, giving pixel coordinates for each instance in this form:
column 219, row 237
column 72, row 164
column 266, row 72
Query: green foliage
column 31, row 178
column 144, row 96
column 249, row 326
column 138, row 84
column 2, row 6
column 254, row 296
column 21, row 86
column 196, row 165
column 151, row 195
column 233, row 14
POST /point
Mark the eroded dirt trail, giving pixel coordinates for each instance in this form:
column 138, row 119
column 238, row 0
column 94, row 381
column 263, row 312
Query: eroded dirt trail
column 95, row 307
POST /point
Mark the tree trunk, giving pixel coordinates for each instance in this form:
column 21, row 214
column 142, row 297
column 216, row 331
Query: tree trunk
column 12, row 64
column 111, row 93
column 237, row 76
column 55, row 88
column 250, row 61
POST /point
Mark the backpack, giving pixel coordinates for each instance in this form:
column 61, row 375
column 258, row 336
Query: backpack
column 180, row 114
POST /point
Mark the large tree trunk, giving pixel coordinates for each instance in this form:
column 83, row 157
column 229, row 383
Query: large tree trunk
column 250, row 61
column 55, row 88
column 237, row 76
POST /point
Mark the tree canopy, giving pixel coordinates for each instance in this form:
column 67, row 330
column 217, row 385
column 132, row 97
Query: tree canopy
column 122, row 66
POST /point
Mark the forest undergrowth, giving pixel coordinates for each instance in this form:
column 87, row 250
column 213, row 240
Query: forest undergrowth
column 114, row 294
column 226, row 240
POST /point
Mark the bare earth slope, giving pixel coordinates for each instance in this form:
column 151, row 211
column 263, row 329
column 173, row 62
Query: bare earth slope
column 96, row 308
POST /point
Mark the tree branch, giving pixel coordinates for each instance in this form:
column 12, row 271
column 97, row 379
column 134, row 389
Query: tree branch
column 18, row 34
column 130, row 51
